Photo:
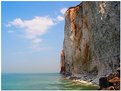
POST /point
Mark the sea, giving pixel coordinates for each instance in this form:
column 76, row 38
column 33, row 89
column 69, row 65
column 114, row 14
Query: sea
column 42, row 81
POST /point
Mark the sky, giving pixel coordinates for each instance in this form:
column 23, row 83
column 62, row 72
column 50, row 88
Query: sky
column 32, row 35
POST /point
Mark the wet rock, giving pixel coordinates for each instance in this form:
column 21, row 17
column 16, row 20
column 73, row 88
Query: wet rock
column 73, row 78
column 68, row 74
column 103, row 82
column 110, row 88
column 111, row 82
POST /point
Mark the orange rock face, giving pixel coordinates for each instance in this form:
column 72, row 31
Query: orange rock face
column 62, row 62
column 114, row 80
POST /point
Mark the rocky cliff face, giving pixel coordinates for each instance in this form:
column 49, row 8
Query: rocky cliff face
column 92, row 40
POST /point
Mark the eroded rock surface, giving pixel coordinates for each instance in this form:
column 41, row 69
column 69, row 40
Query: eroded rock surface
column 62, row 62
column 92, row 40
column 110, row 82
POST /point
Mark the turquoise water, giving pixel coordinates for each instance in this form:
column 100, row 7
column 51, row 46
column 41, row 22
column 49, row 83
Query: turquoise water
column 48, row 81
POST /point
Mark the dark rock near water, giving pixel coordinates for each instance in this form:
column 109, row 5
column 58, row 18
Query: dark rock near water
column 111, row 82
column 103, row 82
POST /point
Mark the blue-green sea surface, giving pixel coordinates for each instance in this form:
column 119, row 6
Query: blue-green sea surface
column 45, row 81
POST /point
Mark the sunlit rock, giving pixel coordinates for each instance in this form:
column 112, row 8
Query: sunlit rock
column 92, row 40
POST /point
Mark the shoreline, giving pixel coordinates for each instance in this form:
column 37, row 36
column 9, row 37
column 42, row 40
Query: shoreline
column 83, row 82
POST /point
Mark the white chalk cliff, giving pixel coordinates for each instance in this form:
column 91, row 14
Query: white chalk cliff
column 92, row 40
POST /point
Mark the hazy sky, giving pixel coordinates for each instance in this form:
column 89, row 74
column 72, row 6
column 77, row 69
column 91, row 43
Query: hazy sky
column 32, row 36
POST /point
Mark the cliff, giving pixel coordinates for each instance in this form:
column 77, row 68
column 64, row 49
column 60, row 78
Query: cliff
column 92, row 40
